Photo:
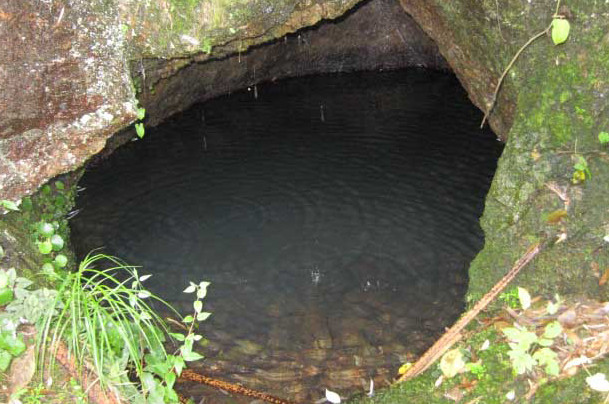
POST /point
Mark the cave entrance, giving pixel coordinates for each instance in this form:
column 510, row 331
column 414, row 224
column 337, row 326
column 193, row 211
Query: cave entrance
column 335, row 215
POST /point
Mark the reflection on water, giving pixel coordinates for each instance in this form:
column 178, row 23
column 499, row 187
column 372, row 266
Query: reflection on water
column 335, row 217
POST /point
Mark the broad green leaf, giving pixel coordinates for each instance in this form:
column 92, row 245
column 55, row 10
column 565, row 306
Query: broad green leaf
column 191, row 356
column 46, row 229
column 545, row 342
column 188, row 319
column 552, row 368
column 141, row 113
column 170, row 379
column 6, row 296
column 59, row 185
column 549, row 359
column 144, row 294
column 148, row 382
column 177, row 336
column 171, row 396
column 45, row 247
column 203, row 316
column 179, row 365
column 524, row 297
column 522, row 339
column 198, row 306
column 3, row 279
column 603, row 137
column 191, row 288
column 202, row 292
column 521, row 361
column 145, row 277
column 5, row 360
column 544, row 355
column 512, row 333
column 61, row 260
column 560, row 30
column 9, row 205
column 552, row 307
column 57, row 242
column 12, row 344
column 48, row 268
column 552, row 330
column 139, row 129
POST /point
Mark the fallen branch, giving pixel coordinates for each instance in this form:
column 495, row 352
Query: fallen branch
column 453, row 334
column 189, row 375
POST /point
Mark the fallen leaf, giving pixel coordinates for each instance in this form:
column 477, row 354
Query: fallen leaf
column 452, row 363
column 332, row 397
column 524, row 297
column 604, row 278
column 556, row 216
column 582, row 360
column 598, row 382
column 560, row 238
column 568, row 319
column 404, row 368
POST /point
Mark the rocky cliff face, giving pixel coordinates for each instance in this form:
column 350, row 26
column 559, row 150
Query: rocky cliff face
column 552, row 107
column 66, row 87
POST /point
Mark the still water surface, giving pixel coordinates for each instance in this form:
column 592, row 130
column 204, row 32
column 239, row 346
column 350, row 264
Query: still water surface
column 335, row 217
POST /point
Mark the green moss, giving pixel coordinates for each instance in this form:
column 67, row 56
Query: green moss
column 490, row 383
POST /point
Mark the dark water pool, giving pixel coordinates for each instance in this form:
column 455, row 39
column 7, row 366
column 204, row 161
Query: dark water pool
column 335, row 217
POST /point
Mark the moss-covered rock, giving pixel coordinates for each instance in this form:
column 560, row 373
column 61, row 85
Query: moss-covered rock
column 551, row 107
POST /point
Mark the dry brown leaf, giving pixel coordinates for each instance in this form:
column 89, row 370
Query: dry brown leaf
column 556, row 216
column 604, row 278
column 568, row 319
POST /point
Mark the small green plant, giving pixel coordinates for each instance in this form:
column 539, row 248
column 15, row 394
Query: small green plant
column 527, row 349
column 11, row 344
column 477, row 369
column 50, row 244
column 581, row 171
column 510, row 298
column 106, row 318
column 139, row 125
column 603, row 138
